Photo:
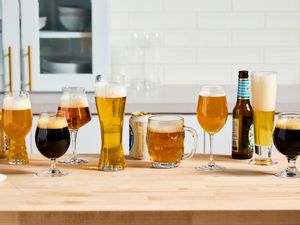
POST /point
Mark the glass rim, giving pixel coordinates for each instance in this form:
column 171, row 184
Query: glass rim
column 13, row 93
column 264, row 72
column 164, row 118
column 288, row 114
column 111, row 78
column 73, row 89
column 212, row 90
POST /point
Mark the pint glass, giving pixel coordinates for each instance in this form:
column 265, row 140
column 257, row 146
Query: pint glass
column 16, row 123
column 263, row 91
column 110, row 102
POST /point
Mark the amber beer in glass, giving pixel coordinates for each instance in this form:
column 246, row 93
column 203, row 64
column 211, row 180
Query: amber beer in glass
column 212, row 115
column 110, row 102
column 75, row 106
column 263, row 91
column 16, row 123
column 165, row 141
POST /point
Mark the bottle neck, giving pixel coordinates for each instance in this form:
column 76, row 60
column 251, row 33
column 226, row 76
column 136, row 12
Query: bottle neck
column 243, row 89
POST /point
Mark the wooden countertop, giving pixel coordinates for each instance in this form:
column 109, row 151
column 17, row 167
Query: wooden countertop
column 243, row 194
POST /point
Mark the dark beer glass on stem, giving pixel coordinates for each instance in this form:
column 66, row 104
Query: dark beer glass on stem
column 52, row 138
column 212, row 115
column 286, row 138
column 75, row 105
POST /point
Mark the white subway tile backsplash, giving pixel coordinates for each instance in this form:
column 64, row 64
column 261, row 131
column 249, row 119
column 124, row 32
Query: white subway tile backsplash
column 119, row 21
column 265, row 38
column 283, row 20
column 136, row 5
column 162, row 21
column 229, row 55
column 265, row 5
column 196, row 74
column 197, row 5
column 197, row 38
column 283, row 55
column 230, row 20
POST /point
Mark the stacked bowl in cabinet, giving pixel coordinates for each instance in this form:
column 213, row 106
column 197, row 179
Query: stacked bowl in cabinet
column 74, row 18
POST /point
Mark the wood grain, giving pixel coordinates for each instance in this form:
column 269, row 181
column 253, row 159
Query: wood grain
column 243, row 194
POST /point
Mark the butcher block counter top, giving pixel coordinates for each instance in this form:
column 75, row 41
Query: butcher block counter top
column 141, row 195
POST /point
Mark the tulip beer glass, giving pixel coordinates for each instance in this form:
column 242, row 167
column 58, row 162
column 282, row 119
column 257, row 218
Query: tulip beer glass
column 165, row 141
column 212, row 115
column 75, row 106
column 110, row 102
column 263, row 92
column 16, row 123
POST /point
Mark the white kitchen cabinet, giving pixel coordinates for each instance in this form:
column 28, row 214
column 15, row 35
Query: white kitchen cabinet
column 60, row 54
column 222, row 139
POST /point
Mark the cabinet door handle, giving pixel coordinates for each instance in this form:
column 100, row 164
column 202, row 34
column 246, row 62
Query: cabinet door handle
column 29, row 68
column 10, row 69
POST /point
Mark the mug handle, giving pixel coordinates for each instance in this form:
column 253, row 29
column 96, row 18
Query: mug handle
column 194, row 144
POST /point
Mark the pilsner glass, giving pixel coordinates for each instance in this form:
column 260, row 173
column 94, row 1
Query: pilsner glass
column 165, row 141
column 75, row 105
column 16, row 123
column 110, row 101
column 286, row 139
column 212, row 115
column 263, row 92
column 52, row 138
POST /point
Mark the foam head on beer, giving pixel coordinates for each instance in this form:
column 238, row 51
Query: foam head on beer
column 212, row 91
column 16, row 103
column 110, row 90
column 263, row 91
column 73, row 101
column 168, row 125
column 288, row 124
column 52, row 122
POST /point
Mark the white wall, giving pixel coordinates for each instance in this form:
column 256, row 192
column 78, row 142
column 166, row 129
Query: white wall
column 210, row 40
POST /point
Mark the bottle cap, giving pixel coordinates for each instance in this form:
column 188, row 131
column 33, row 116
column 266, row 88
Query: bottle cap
column 243, row 74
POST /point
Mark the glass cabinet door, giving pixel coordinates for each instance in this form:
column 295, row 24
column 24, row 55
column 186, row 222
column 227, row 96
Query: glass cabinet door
column 64, row 43
column 10, row 45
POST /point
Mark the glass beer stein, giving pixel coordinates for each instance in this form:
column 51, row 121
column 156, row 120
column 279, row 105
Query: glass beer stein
column 110, row 101
column 165, row 141
column 16, row 123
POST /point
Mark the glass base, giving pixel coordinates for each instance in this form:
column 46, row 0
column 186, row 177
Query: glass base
column 52, row 173
column 211, row 167
column 74, row 161
column 164, row 165
column 288, row 173
column 262, row 162
column 112, row 168
column 17, row 162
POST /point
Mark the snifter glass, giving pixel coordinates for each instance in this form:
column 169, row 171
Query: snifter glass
column 212, row 115
column 16, row 123
column 52, row 138
column 110, row 101
column 286, row 139
column 74, row 104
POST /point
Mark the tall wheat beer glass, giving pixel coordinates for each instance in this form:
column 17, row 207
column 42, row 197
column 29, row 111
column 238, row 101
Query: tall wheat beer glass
column 263, row 91
column 110, row 102
column 16, row 123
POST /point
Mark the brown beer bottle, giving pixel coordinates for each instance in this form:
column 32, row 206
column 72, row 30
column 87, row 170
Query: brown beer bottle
column 242, row 129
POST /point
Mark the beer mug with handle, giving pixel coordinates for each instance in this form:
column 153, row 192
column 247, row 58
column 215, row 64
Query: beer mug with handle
column 165, row 140
column 110, row 101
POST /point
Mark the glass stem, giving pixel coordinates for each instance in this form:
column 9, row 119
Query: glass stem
column 211, row 157
column 292, row 163
column 73, row 140
column 53, row 166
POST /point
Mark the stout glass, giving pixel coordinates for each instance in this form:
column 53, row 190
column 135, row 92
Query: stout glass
column 165, row 141
column 110, row 102
column 286, row 139
column 212, row 115
column 52, row 138
column 263, row 92
column 16, row 123
column 75, row 106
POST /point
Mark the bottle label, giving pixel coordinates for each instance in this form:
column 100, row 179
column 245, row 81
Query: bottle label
column 235, row 132
column 243, row 88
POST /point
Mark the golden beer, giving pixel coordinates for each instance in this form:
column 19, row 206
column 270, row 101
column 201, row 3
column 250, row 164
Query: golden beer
column 110, row 101
column 16, row 123
column 263, row 127
column 76, row 117
column 212, row 112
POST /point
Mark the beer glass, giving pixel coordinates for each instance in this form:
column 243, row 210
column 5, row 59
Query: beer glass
column 212, row 115
column 52, row 138
column 110, row 102
column 165, row 141
column 16, row 123
column 286, row 139
column 75, row 105
column 263, row 92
